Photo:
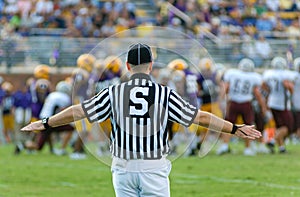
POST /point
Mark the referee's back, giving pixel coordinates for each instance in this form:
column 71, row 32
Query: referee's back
column 139, row 110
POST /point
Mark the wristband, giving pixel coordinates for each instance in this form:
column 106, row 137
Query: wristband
column 45, row 122
column 234, row 129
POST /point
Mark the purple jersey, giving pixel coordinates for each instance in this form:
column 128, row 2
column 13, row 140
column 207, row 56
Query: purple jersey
column 2, row 93
column 36, row 109
column 37, row 104
column 208, row 85
column 22, row 99
column 106, row 79
column 191, row 87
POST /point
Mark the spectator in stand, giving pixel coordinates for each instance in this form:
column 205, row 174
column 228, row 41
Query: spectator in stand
column 83, row 22
column 15, row 20
column 180, row 5
column 272, row 5
column 279, row 27
column 264, row 24
column 24, row 6
column 71, row 30
column 11, row 7
column 249, row 50
column 108, row 28
column 225, row 43
column 294, row 30
column 215, row 6
column 204, row 17
column 128, row 16
column 44, row 7
column 176, row 24
column 261, row 7
column 288, row 5
column 263, row 48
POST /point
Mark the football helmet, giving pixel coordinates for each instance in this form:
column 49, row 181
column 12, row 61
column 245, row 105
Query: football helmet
column 279, row 63
column 63, row 87
column 246, row 64
column 86, row 62
column 42, row 71
column 42, row 85
column 205, row 64
column 80, row 75
column 177, row 64
column 7, row 86
column 113, row 63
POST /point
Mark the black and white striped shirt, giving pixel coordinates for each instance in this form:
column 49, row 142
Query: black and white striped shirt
column 139, row 111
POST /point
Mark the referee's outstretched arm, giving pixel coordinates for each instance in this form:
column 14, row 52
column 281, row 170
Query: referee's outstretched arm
column 70, row 114
column 215, row 123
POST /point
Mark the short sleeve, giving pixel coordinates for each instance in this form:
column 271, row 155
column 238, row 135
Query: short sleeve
column 98, row 108
column 181, row 111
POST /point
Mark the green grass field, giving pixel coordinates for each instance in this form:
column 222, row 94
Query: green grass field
column 46, row 175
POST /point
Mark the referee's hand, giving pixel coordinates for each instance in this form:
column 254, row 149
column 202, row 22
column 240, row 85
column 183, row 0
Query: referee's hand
column 34, row 126
column 248, row 132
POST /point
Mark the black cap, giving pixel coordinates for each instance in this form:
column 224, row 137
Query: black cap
column 139, row 54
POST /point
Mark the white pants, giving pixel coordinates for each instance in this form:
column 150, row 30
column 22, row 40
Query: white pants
column 141, row 178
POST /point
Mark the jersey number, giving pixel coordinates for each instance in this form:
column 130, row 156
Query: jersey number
column 241, row 88
column 133, row 110
column 275, row 85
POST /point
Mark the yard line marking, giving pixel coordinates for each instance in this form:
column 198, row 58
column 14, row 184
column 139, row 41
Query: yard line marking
column 225, row 180
column 67, row 184
column 64, row 165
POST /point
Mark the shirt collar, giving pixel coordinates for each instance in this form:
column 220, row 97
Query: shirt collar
column 140, row 76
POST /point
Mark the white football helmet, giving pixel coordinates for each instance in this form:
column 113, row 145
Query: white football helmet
column 279, row 63
column 246, row 64
column 63, row 87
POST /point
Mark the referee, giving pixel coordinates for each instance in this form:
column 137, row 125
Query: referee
column 139, row 110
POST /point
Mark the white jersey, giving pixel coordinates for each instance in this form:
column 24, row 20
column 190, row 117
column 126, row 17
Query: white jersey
column 296, row 94
column 279, row 97
column 55, row 101
column 241, row 85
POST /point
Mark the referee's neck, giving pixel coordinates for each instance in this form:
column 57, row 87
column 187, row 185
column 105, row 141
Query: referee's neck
column 140, row 75
column 142, row 68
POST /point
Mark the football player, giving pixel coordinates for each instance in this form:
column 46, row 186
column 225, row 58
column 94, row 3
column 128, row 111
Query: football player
column 81, row 91
column 22, row 102
column 8, row 111
column 296, row 97
column 183, row 79
column 278, row 82
column 208, row 92
column 242, row 86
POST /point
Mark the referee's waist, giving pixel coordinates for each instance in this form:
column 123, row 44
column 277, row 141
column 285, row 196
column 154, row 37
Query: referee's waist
column 138, row 165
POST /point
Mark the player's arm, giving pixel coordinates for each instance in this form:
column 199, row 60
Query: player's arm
column 260, row 99
column 224, row 89
column 289, row 85
column 265, row 87
column 215, row 123
column 70, row 114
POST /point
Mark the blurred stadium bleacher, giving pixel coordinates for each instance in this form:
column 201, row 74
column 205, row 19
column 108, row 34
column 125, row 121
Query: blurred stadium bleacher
column 219, row 27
